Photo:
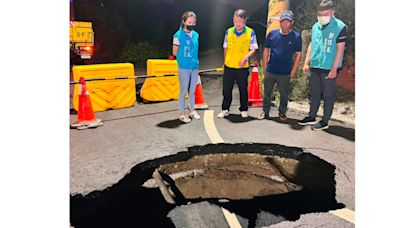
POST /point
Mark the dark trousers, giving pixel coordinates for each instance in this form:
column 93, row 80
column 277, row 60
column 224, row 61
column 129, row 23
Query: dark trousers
column 321, row 88
column 230, row 76
column 283, row 82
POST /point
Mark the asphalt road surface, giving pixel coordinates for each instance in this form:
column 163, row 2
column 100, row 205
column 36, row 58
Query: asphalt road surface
column 102, row 156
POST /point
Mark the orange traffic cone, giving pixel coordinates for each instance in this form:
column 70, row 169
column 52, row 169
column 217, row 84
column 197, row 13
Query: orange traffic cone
column 86, row 117
column 255, row 100
column 199, row 102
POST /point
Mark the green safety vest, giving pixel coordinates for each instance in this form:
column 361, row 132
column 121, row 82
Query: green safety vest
column 323, row 44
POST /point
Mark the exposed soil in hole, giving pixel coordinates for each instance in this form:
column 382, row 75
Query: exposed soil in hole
column 303, row 183
column 232, row 176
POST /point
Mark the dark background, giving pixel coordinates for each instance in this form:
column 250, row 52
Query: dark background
column 118, row 23
column 136, row 30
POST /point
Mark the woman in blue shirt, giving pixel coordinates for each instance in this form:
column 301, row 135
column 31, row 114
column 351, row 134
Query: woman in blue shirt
column 186, row 47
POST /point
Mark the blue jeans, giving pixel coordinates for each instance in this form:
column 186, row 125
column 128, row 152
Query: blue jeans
column 187, row 79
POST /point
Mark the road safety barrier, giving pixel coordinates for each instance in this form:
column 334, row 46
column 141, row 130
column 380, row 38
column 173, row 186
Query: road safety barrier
column 109, row 93
column 112, row 86
column 161, row 88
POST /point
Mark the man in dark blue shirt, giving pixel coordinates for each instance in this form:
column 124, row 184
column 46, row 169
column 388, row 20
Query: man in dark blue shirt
column 280, row 46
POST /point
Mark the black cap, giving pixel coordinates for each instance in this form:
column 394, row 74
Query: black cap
column 326, row 5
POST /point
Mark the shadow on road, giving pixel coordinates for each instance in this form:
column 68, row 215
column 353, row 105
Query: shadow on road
column 236, row 118
column 344, row 132
column 170, row 124
column 291, row 122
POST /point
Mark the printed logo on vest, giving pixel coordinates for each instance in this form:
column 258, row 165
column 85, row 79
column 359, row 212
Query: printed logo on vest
column 186, row 52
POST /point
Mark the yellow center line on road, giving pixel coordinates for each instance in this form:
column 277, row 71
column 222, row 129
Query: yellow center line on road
column 211, row 129
column 346, row 214
column 231, row 219
column 215, row 137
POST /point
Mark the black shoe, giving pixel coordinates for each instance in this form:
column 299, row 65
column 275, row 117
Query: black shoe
column 321, row 125
column 307, row 121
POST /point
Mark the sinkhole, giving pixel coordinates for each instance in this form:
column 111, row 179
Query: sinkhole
column 262, row 184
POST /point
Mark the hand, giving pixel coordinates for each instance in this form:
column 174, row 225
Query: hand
column 332, row 74
column 292, row 75
column 243, row 62
column 306, row 69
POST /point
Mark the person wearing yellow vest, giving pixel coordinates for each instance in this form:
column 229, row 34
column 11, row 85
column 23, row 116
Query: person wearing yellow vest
column 240, row 44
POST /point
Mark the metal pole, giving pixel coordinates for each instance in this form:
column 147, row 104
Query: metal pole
column 142, row 76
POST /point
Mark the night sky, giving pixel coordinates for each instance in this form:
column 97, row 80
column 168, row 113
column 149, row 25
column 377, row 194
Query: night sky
column 118, row 22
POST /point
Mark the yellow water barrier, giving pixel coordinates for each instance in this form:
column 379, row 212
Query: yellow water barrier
column 106, row 94
column 161, row 88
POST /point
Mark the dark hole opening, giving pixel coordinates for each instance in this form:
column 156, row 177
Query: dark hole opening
column 129, row 204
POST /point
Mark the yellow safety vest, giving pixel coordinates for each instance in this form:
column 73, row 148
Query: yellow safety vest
column 238, row 47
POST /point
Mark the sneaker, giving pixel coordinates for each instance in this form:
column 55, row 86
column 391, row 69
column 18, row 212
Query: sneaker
column 244, row 114
column 321, row 125
column 282, row 117
column 184, row 119
column 307, row 121
column 223, row 113
column 194, row 115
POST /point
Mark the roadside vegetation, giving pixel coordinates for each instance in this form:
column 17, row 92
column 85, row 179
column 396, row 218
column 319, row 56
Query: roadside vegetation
column 138, row 53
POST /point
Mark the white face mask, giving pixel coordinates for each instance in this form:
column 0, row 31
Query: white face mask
column 324, row 20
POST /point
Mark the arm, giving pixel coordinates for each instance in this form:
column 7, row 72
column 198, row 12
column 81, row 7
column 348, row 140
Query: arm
column 306, row 67
column 225, row 45
column 295, row 65
column 265, row 58
column 339, row 53
column 175, row 49
column 225, row 50
column 267, row 51
column 253, row 48
column 246, row 57
column 175, row 44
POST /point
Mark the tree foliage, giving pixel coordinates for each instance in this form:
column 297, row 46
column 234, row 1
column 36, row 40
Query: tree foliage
column 138, row 53
column 306, row 16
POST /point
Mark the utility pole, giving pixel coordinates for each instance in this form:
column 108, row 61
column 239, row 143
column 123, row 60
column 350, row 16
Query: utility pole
column 275, row 9
column 71, row 10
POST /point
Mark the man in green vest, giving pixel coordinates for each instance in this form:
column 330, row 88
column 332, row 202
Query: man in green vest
column 323, row 63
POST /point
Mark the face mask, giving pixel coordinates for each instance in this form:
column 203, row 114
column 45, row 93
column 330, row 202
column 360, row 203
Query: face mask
column 324, row 20
column 190, row 27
